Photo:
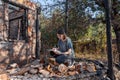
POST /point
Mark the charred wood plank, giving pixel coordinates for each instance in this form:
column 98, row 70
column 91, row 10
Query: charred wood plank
column 15, row 18
column 15, row 4
column 12, row 8
column 22, row 71
column 37, row 34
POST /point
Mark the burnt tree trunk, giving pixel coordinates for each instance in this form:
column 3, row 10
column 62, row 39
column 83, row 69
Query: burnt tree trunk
column 108, row 33
column 66, row 16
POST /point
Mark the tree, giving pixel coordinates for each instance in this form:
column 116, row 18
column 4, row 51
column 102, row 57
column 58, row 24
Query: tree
column 115, row 18
column 81, row 15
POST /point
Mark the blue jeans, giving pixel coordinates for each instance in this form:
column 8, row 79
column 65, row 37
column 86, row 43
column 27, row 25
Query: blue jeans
column 59, row 58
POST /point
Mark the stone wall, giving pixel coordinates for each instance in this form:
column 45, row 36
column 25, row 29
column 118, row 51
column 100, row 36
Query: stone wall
column 16, row 50
column 15, row 27
column 1, row 21
column 6, row 21
column 32, row 30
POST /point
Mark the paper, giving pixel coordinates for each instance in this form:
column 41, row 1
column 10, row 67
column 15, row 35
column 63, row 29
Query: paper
column 57, row 51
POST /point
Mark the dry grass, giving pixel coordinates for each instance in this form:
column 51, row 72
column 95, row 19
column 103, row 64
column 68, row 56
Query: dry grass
column 92, row 56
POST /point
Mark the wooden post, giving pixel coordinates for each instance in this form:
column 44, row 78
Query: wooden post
column 66, row 17
column 26, row 36
column 26, row 24
column 108, row 33
column 19, row 25
column 37, row 54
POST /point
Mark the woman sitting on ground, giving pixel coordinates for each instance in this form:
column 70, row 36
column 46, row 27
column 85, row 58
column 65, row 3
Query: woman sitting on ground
column 64, row 48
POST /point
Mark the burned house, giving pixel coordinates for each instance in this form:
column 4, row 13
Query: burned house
column 19, row 31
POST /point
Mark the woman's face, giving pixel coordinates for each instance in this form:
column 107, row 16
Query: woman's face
column 60, row 36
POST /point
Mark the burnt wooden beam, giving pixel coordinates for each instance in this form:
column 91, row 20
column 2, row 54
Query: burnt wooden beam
column 15, row 18
column 26, row 24
column 37, row 52
column 16, row 4
column 12, row 8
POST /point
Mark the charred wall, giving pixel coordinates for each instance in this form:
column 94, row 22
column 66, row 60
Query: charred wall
column 13, row 31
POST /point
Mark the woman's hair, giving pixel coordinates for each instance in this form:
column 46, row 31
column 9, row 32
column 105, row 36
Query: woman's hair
column 61, row 31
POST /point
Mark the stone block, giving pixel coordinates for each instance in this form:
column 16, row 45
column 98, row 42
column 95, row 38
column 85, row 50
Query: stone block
column 33, row 71
column 4, row 77
column 45, row 73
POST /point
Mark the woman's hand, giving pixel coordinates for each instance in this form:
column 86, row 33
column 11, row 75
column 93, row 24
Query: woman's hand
column 56, row 51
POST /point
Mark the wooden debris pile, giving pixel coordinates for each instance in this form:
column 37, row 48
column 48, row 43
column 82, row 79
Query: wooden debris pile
column 53, row 70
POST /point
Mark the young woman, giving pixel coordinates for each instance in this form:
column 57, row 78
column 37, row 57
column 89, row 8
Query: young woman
column 64, row 49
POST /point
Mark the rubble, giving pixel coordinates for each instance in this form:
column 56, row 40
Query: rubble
column 72, row 73
column 45, row 73
column 62, row 68
column 118, row 75
column 37, row 70
column 4, row 76
column 14, row 65
column 33, row 71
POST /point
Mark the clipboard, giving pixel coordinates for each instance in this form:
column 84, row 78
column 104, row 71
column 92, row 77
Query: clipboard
column 49, row 50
